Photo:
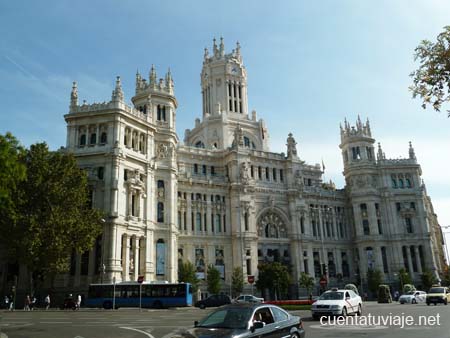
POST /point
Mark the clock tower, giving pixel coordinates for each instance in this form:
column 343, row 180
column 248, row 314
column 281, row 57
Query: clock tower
column 225, row 105
column 224, row 82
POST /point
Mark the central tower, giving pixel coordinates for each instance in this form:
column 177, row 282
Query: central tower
column 225, row 105
column 224, row 82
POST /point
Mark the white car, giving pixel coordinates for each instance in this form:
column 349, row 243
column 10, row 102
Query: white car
column 413, row 297
column 337, row 302
column 248, row 299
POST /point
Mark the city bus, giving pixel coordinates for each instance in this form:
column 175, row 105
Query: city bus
column 126, row 294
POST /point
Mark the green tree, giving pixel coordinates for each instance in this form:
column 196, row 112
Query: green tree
column 428, row 279
column 186, row 274
column 374, row 279
column 213, row 280
column 431, row 81
column 446, row 276
column 275, row 277
column 56, row 217
column 306, row 281
column 404, row 278
column 237, row 281
column 12, row 174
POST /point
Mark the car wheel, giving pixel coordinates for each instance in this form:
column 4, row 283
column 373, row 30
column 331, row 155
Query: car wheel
column 428, row 304
column 107, row 305
column 202, row 306
column 344, row 312
column 435, row 304
column 294, row 335
column 414, row 301
column 359, row 313
column 445, row 302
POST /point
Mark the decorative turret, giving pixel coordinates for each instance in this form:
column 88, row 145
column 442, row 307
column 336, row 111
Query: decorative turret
column 169, row 82
column 74, row 95
column 117, row 94
column 361, row 130
column 291, row 147
column 152, row 77
column 412, row 154
column 222, row 48
column 380, row 154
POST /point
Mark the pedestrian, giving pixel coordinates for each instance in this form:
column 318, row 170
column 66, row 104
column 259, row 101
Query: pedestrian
column 6, row 302
column 33, row 303
column 27, row 303
column 11, row 303
column 396, row 295
column 47, row 302
column 78, row 302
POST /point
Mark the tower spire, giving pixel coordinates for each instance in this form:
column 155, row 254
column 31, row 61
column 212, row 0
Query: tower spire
column 380, row 154
column 74, row 95
column 412, row 154
column 152, row 77
column 222, row 47
column 215, row 50
column 118, row 92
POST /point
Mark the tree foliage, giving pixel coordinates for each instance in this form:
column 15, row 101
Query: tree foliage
column 446, row 277
column 431, row 81
column 237, row 281
column 54, row 213
column 306, row 281
column 374, row 279
column 213, row 280
column 186, row 274
column 404, row 277
column 275, row 277
column 428, row 279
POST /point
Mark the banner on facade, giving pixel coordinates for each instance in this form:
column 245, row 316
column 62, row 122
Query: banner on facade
column 160, row 258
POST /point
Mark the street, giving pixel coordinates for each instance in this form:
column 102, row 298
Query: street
column 131, row 323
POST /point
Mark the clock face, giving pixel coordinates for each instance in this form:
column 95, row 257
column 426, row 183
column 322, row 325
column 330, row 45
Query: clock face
column 234, row 70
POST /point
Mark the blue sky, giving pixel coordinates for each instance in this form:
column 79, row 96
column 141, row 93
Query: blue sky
column 309, row 64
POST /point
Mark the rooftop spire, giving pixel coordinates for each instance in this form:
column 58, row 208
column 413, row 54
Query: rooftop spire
column 412, row 154
column 222, row 47
column 215, row 50
column 74, row 95
column 152, row 76
column 380, row 154
column 118, row 92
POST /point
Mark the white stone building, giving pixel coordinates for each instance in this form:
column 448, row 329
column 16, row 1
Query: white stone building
column 222, row 197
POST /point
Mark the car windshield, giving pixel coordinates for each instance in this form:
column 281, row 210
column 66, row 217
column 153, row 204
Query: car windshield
column 229, row 318
column 332, row 296
column 411, row 292
column 436, row 290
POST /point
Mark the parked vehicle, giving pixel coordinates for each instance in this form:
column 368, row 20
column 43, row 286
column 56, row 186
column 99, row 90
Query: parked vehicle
column 247, row 320
column 413, row 297
column 214, row 300
column 248, row 299
column 438, row 294
column 337, row 302
column 69, row 303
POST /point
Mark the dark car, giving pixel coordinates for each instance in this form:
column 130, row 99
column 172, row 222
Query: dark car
column 214, row 300
column 69, row 303
column 247, row 320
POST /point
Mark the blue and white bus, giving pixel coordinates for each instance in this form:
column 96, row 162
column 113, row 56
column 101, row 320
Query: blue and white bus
column 155, row 295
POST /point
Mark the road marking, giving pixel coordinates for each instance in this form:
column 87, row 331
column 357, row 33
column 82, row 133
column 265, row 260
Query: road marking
column 55, row 322
column 140, row 331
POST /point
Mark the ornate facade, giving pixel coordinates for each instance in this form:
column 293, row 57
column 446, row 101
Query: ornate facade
column 222, row 197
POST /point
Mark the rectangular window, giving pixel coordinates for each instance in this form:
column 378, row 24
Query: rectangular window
column 267, row 173
column 384, row 258
column 198, row 221
column 246, row 221
column 213, row 171
column 259, row 172
column 195, row 168
column 274, row 174
column 380, row 228
column 224, row 223
column 281, row 175
column 249, row 267
column 366, row 227
column 363, row 209
column 398, row 205
column 204, row 169
column 412, row 205
column 409, row 225
column 218, row 223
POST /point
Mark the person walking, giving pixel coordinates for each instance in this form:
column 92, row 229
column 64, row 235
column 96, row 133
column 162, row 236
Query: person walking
column 27, row 303
column 47, row 302
column 11, row 303
column 78, row 302
column 6, row 302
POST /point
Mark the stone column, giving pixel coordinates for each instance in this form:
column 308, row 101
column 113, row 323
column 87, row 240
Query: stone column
column 136, row 257
column 149, row 257
column 410, row 265
column 310, row 261
column 418, row 260
column 125, row 258
column 189, row 215
column 208, row 217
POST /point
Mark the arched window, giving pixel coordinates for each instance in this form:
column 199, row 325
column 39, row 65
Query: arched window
column 408, row 183
column 158, row 112
column 103, row 138
column 160, row 212
column 93, row 139
column 83, row 140
column 199, row 144
column 246, row 142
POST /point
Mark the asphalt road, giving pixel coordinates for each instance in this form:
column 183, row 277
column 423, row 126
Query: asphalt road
column 131, row 323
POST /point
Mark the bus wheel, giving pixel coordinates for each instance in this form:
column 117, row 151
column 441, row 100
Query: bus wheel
column 157, row 304
column 107, row 305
